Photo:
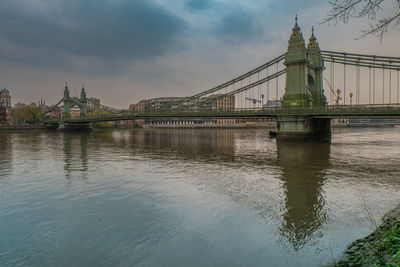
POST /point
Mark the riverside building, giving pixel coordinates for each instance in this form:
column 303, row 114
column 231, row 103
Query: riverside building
column 216, row 102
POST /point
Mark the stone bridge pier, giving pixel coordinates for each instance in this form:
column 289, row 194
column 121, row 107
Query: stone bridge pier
column 300, row 128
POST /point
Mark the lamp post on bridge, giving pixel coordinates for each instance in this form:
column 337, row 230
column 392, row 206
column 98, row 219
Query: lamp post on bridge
column 338, row 97
column 351, row 97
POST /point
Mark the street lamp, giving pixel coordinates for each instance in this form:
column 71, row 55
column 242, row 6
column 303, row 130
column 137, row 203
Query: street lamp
column 338, row 98
column 351, row 95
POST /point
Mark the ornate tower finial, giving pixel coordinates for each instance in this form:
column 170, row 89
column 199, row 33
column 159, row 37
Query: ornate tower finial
column 83, row 94
column 295, row 60
column 66, row 91
column 296, row 26
column 296, row 39
column 312, row 43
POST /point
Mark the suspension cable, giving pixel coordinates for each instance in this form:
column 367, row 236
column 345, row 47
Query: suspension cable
column 241, row 94
column 362, row 56
column 259, row 89
column 369, row 85
column 390, row 85
column 383, row 86
column 221, row 86
column 267, row 87
column 364, row 62
column 52, row 108
column 332, row 82
column 397, row 87
column 357, row 84
column 237, row 91
column 249, row 93
column 277, row 69
column 344, row 83
column 373, row 88
column 233, row 89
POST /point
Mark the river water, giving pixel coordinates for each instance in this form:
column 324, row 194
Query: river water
column 184, row 197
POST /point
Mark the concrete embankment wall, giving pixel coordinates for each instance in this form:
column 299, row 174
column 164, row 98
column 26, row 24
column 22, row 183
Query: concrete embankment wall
column 22, row 127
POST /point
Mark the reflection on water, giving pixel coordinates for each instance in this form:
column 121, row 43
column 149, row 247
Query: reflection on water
column 75, row 147
column 198, row 197
column 304, row 169
column 202, row 143
column 5, row 154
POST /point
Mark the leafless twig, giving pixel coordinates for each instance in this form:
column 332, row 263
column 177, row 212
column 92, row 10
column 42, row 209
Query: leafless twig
column 344, row 10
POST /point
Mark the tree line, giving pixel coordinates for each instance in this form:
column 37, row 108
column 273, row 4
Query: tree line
column 23, row 113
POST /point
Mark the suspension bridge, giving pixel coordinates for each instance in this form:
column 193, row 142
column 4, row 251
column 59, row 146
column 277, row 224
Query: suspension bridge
column 357, row 85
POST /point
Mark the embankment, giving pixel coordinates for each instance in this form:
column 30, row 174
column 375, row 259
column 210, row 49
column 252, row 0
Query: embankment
column 380, row 248
column 22, row 127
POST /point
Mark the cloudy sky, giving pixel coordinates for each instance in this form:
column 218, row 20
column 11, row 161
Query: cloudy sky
column 127, row 50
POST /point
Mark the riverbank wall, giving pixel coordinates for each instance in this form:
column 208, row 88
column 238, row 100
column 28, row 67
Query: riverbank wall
column 22, row 127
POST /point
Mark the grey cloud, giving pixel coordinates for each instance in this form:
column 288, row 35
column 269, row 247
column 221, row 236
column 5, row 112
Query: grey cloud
column 231, row 22
column 293, row 7
column 239, row 25
column 198, row 5
column 102, row 28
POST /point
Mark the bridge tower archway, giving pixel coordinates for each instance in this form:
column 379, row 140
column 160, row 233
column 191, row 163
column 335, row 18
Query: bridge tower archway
column 70, row 102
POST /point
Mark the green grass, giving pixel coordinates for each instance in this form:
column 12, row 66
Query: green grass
column 380, row 249
column 388, row 250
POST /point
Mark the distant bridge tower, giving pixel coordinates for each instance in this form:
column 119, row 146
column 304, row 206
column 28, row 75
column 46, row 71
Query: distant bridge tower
column 70, row 102
column 304, row 88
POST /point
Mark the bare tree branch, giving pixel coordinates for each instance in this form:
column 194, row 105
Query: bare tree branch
column 341, row 10
column 381, row 27
column 344, row 10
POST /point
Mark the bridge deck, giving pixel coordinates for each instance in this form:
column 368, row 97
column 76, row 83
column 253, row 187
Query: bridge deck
column 336, row 111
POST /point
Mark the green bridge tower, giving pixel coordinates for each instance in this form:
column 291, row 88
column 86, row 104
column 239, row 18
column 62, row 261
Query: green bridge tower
column 70, row 102
column 304, row 88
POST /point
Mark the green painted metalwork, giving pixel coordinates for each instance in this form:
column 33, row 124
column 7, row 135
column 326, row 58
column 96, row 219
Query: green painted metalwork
column 332, row 111
column 304, row 67
column 70, row 102
column 229, row 83
column 304, row 89
column 304, row 112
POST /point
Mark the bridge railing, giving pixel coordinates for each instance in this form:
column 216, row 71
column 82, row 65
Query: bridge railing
column 318, row 111
column 342, row 110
